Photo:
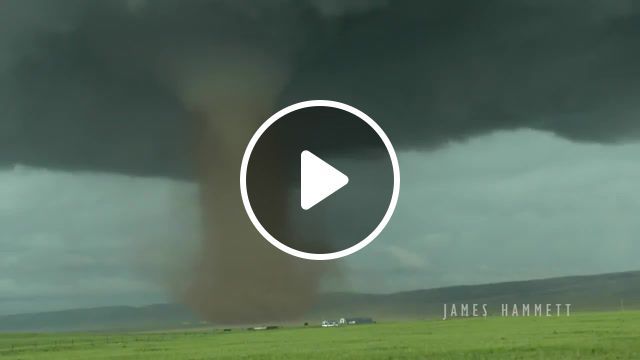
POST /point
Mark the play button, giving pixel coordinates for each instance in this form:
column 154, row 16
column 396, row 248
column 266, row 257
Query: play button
column 319, row 180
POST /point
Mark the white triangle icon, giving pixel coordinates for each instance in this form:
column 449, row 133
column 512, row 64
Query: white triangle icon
column 318, row 180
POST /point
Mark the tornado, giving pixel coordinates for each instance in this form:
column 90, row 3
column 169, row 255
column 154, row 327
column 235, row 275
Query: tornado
column 238, row 277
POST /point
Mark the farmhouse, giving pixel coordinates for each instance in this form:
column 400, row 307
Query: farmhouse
column 354, row 321
column 329, row 323
column 347, row 321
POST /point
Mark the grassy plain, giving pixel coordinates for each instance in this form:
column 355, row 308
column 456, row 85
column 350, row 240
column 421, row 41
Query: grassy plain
column 613, row 335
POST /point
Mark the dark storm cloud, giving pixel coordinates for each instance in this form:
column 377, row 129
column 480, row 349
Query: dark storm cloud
column 85, row 83
column 89, row 85
column 435, row 71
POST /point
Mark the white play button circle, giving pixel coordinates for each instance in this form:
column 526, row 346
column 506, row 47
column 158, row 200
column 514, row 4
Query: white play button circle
column 318, row 180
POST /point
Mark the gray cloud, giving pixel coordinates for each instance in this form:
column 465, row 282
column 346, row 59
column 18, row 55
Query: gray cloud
column 81, row 239
column 507, row 206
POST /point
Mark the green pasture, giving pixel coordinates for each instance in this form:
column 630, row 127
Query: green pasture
column 614, row 335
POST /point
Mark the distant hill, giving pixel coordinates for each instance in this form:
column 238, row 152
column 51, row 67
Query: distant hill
column 586, row 293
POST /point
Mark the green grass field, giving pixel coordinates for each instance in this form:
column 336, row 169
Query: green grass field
column 581, row 336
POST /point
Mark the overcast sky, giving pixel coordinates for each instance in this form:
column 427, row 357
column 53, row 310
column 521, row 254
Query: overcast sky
column 504, row 206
